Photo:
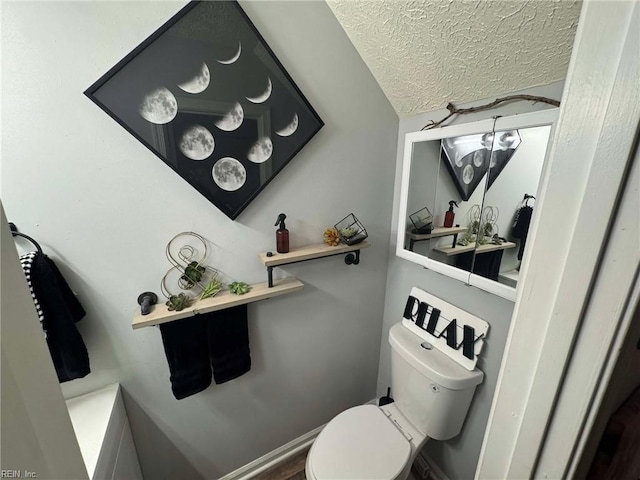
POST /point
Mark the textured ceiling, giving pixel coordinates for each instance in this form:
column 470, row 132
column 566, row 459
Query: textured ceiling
column 426, row 53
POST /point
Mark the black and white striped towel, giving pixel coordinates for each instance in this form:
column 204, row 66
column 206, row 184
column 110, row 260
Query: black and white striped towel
column 26, row 261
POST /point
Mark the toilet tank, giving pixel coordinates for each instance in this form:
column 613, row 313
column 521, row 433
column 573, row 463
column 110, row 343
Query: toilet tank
column 430, row 389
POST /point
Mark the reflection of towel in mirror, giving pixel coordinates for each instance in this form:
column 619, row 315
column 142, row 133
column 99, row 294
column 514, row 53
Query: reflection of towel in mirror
column 59, row 310
column 520, row 227
column 195, row 345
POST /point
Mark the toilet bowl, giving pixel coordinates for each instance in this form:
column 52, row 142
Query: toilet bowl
column 365, row 442
column 432, row 396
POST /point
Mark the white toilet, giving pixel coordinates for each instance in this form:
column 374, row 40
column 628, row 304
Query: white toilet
column 432, row 395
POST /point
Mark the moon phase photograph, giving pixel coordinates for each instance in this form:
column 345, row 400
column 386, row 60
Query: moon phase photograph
column 261, row 151
column 229, row 174
column 199, row 82
column 289, row 129
column 197, row 143
column 206, row 95
column 159, row 106
column 232, row 119
column 467, row 174
column 264, row 96
column 234, row 58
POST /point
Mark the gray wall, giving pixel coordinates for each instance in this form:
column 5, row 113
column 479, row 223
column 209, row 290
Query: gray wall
column 104, row 207
column 423, row 180
column 457, row 457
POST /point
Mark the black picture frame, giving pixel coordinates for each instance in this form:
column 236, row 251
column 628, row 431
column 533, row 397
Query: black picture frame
column 207, row 95
column 469, row 171
column 500, row 158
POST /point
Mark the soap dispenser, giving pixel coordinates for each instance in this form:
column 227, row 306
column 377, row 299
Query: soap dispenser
column 450, row 215
column 282, row 235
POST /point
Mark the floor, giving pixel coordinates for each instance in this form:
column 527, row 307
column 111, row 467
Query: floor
column 292, row 469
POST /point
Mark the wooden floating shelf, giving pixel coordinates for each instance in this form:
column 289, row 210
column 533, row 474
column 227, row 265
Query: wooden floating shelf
column 309, row 253
column 489, row 247
column 261, row 291
column 436, row 232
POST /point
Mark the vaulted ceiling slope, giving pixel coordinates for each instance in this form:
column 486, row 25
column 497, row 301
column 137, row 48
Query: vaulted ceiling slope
column 426, row 53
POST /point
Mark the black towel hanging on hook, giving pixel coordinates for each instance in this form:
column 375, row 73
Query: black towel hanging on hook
column 521, row 223
column 58, row 310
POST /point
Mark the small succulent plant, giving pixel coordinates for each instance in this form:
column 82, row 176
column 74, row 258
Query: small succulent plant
column 466, row 239
column 211, row 289
column 239, row 288
column 348, row 232
column 331, row 237
column 178, row 302
column 192, row 274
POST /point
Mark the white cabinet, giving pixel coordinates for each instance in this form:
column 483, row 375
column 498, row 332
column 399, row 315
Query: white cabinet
column 127, row 466
column 100, row 422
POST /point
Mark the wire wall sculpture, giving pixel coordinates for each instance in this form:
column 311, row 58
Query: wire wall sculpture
column 189, row 276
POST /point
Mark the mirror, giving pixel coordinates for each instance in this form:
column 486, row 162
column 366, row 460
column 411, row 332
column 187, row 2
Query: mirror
column 488, row 173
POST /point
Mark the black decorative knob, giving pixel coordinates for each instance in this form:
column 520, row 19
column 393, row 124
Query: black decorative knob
column 145, row 300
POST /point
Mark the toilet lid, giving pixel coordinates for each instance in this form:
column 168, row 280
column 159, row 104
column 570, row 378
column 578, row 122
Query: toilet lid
column 360, row 443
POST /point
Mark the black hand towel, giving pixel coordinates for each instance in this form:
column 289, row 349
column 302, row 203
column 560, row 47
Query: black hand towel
column 229, row 343
column 59, row 310
column 187, row 351
column 520, row 227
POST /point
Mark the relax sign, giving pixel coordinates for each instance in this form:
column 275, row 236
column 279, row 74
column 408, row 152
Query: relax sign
column 454, row 332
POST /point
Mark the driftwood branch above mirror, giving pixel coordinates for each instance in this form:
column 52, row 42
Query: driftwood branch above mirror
column 453, row 110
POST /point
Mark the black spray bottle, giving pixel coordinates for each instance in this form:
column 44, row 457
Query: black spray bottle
column 282, row 235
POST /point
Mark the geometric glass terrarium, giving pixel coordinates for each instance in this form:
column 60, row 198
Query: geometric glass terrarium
column 350, row 230
column 422, row 221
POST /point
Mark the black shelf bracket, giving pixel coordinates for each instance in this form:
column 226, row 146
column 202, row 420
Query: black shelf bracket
column 413, row 241
column 351, row 258
column 270, row 276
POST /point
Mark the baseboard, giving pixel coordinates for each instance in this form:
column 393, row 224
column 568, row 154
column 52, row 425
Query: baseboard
column 274, row 457
column 435, row 473
column 278, row 455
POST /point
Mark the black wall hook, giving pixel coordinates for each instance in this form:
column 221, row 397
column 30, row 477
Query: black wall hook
column 15, row 233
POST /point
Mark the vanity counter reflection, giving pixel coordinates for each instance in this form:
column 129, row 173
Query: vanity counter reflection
column 488, row 173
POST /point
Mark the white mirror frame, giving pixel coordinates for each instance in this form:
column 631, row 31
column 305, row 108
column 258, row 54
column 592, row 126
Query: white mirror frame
column 525, row 120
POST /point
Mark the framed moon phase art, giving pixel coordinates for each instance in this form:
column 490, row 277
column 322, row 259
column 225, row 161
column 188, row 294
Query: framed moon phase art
column 468, row 158
column 206, row 94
